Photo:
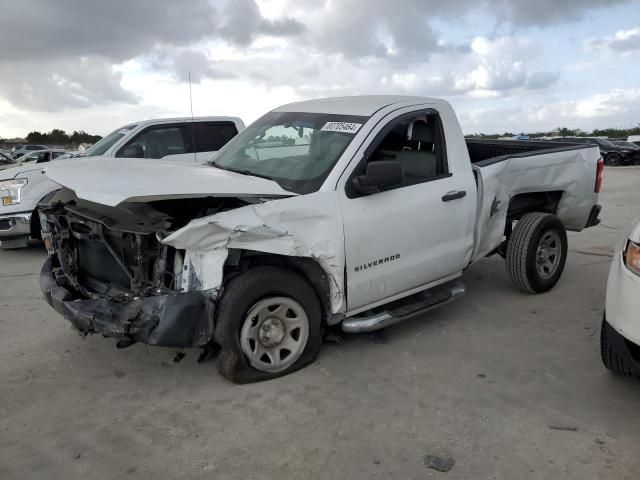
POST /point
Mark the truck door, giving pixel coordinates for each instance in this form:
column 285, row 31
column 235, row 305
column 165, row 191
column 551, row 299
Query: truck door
column 417, row 233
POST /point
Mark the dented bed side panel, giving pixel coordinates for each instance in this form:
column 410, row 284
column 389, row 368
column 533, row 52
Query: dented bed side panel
column 572, row 172
column 306, row 226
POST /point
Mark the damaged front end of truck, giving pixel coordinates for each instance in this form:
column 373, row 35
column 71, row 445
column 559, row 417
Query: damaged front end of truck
column 109, row 272
column 153, row 271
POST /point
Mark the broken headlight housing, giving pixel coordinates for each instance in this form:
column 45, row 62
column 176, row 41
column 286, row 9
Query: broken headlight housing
column 10, row 191
column 632, row 257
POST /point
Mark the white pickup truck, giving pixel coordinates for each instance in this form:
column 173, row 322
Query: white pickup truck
column 24, row 185
column 356, row 212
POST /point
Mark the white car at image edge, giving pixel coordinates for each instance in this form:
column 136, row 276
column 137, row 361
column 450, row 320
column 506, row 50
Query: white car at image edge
column 620, row 336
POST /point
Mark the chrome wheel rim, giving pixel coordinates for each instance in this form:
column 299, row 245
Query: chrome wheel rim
column 548, row 255
column 274, row 334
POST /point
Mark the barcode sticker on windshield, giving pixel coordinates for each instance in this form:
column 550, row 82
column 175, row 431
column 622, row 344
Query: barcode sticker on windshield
column 343, row 127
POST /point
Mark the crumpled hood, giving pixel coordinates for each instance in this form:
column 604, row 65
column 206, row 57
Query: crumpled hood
column 111, row 181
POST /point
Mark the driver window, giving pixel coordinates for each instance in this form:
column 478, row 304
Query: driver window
column 155, row 143
column 416, row 143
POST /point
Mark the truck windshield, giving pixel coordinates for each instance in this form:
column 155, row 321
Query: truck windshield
column 295, row 149
column 107, row 142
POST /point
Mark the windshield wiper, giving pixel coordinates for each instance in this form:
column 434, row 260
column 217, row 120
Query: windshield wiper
column 239, row 170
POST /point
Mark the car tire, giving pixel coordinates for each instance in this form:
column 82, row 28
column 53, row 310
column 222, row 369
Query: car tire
column 613, row 159
column 263, row 313
column 536, row 252
column 616, row 354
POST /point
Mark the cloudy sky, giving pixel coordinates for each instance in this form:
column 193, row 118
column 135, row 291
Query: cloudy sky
column 506, row 65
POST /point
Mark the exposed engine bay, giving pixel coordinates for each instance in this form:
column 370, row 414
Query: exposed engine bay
column 110, row 273
column 116, row 252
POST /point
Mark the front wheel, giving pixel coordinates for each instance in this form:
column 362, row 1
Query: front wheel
column 537, row 252
column 268, row 325
column 618, row 355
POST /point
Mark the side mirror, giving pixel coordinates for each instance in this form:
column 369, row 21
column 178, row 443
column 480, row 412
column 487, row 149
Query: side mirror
column 379, row 176
column 132, row 151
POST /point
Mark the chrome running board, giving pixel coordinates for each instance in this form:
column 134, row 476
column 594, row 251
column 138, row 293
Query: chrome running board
column 400, row 310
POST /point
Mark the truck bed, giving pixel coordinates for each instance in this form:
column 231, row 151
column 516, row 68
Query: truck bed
column 505, row 169
column 487, row 152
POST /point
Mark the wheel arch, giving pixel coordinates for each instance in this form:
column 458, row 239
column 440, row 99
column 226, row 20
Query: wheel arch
column 530, row 202
column 241, row 260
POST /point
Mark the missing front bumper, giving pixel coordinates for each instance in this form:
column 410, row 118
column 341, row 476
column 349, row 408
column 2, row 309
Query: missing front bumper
column 178, row 320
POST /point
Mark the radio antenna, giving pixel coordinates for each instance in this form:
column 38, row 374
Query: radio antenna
column 193, row 127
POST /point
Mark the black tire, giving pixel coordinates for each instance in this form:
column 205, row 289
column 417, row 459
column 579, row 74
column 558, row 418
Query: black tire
column 616, row 354
column 522, row 252
column 240, row 294
column 613, row 159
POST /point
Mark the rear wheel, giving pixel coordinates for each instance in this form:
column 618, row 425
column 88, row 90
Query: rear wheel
column 619, row 355
column 268, row 325
column 536, row 252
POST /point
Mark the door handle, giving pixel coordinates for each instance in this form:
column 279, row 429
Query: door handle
column 454, row 195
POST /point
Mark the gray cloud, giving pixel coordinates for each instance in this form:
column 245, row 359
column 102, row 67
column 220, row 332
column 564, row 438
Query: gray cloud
column 404, row 28
column 241, row 22
column 541, row 80
column 181, row 63
column 60, row 54
column 50, row 86
column 57, row 55
column 544, row 12
column 116, row 29
column 622, row 41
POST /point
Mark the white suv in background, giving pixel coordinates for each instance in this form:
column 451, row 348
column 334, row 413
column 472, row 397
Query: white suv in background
column 169, row 138
column 179, row 139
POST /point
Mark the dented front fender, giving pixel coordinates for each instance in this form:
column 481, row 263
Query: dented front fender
column 304, row 226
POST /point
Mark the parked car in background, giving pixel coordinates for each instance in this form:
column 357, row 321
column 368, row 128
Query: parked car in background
column 177, row 139
column 351, row 212
column 635, row 139
column 611, row 153
column 6, row 160
column 40, row 156
column 624, row 143
column 620, row 334
column 21, row 150
column 634, row 156
column 182, row 139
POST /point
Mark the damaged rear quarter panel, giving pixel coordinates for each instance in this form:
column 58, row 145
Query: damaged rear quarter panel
column 302, row 226
column 571, row 172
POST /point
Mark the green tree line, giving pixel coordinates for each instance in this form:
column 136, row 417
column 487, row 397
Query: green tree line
column 60, row 137
column 621, row 133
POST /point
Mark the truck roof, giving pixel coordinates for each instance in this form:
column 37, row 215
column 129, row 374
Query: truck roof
column 149, row 121
column 355, row 105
